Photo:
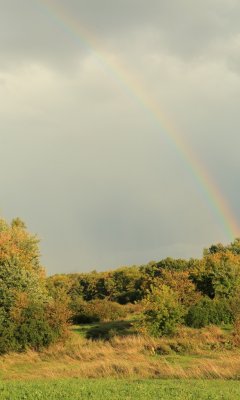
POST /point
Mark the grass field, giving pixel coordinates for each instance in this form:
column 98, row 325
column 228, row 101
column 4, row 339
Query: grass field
column 190, row 354
column 110, row 361
column 72, row 389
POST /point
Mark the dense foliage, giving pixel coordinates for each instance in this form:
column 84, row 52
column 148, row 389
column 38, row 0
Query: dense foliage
column 28, row 316
column 209, row 312
column 197, row 292
column 96, row 310
column 34, row 310
column 162, row 312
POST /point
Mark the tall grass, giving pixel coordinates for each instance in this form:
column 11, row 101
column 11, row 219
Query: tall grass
column 205, row 353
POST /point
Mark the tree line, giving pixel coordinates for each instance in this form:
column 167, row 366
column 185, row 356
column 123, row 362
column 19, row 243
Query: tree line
column 36, row 310
column 194, row 292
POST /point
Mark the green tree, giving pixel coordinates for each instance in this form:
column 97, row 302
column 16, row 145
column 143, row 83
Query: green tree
column 217, row 274
column 23, row 293
column 162, row 312
column 233, row 247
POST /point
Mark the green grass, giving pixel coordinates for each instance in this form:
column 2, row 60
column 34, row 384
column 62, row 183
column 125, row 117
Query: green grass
column 75, row 389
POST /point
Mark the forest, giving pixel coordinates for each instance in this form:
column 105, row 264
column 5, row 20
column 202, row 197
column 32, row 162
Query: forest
column 153, row 300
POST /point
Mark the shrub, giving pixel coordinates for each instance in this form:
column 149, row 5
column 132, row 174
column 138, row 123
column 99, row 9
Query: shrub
column 58, row 312
column 31, row 329
column 83, row 312
column 96, row 310
column 162, row 312
column 106, row 310
column 34, row 330
column 207, row 312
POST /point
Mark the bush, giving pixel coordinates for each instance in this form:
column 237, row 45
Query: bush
column 83, row 312
column 207, row 312
column 106, row 310
column 31, row 329
column 162, row 312
column 96, row 310
column 58, row 313
column 34, row 330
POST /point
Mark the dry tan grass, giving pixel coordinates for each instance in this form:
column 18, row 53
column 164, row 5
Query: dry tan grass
column 131, row 356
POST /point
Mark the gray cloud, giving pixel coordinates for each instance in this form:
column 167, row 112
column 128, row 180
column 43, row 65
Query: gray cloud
column 31, row 30
column 84, row 162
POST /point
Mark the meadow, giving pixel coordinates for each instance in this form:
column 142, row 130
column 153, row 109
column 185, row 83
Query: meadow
column 189, row 354
column 166, row 330
column 75, row 389
column 109, row 360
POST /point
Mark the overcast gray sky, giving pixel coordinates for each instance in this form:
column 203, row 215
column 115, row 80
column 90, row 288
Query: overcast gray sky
column 83, row 162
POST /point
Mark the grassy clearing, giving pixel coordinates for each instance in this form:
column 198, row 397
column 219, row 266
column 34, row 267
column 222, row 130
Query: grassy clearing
column 72, row 389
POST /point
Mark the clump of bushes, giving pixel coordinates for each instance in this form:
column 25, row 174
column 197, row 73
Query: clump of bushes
column 82, row 312
column 33, row 325
column 209, row 312
column 96, row 310
column 107, row 310
column 33, row 329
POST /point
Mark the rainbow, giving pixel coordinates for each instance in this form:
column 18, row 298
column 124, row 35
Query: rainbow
column 215, row 199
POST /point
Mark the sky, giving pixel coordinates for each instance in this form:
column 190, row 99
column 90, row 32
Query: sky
column 84, row 161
